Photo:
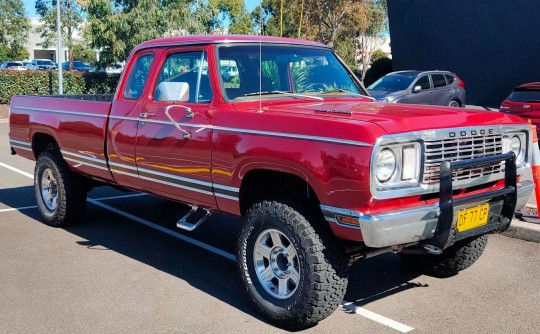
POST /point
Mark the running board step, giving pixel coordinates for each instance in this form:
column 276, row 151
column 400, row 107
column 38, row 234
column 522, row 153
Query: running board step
column 185, row 225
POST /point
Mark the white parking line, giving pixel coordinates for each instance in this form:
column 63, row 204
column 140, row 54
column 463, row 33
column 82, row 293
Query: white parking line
column 17, row 170
column 165, row 230
column 346, row 305
column 376, row 317
column 19, row 209
column 95, row 199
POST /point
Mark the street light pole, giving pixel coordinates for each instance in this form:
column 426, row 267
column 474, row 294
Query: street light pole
column 59, row 51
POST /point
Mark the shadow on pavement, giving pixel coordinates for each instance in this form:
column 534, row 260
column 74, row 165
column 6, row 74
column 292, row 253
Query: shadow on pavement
column 102, row 230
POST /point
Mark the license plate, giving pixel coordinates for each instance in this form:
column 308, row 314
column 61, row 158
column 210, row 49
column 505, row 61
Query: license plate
column 470, row 218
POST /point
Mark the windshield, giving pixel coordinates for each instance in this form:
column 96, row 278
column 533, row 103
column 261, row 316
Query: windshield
column 525, row 96
column 45, row 62
column 392, row 83
column 285, row 69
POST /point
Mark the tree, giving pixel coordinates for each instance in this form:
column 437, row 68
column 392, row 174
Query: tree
column 71, row 18
column 230, row 15
column 14, row 28
column 378, row 54
column 115, row 27
column 371, row 31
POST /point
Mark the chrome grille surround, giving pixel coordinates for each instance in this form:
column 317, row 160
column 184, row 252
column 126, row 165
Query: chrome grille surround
column 452, row 144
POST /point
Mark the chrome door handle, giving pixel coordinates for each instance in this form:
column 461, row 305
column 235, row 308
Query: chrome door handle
column 185, row 134
column 147, row 115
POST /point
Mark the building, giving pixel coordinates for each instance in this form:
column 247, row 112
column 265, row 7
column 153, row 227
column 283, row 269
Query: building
column 491, row 44
column 37, row 51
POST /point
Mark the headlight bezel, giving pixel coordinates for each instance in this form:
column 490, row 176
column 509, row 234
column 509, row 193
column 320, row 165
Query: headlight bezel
column 396, row 181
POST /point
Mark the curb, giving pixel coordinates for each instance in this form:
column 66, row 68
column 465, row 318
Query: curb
column 523, row 230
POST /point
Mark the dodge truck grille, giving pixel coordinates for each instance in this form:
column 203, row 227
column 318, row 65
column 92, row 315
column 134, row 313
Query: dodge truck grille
column 464, row 148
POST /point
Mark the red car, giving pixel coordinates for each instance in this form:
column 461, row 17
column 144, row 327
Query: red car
column 524, row 101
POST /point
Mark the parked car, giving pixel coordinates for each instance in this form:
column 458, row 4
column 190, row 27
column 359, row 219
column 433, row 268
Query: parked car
column 228, row 72
column 321, row 174
column 524, row 101
column 114, row 68
column 13, row 66
column 78, row 66
column 441, row 88
column 28, row 65
column 43, row 64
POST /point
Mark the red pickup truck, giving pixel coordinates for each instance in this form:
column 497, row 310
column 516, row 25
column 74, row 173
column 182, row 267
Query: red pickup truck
column 279, row 132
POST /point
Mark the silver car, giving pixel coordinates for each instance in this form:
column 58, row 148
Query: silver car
column 13, row 66
column 430, row 87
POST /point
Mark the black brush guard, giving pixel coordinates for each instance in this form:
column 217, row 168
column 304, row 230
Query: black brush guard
column 508, row 195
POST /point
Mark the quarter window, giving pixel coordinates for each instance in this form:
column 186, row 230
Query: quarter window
column 438, row 80
column 449, row 78
column 138, row 76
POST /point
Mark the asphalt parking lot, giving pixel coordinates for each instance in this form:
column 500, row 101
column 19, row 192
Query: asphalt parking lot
column 127, row 269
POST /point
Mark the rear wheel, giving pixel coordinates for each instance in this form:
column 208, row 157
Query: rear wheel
column 60, row 193
column 295, row 275
column 454, row 259
column 454, row 103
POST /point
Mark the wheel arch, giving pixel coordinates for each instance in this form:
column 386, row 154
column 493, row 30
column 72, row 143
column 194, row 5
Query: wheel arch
column 44, row 141
column 264, row 183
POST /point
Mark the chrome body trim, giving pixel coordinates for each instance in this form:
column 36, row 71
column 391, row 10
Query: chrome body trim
column 291, row 135
column 63, row 112
column 84, row 163
column 420, row 188
column 123, row 118
column 20, row 143
column 24, row 148
column 407, row 225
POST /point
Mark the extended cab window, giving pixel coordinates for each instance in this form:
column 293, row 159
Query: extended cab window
column 138, row 76
column 190, row 68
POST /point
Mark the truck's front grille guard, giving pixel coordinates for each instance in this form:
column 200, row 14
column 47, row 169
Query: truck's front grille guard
column 464, row 148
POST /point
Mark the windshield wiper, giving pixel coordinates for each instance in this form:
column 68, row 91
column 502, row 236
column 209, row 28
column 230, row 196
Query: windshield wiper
column 342, row 91
column 285, row 93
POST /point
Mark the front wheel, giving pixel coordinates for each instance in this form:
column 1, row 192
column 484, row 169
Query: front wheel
column 454, row 259
column 296, row 276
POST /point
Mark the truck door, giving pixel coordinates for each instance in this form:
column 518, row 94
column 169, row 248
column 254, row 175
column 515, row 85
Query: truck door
column 124, row 118
column 174, row 136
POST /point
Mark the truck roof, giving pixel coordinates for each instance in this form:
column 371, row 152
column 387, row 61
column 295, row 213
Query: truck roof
column 222, row 39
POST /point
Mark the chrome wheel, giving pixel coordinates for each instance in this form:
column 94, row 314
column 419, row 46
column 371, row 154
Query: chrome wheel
column 49, row 189
column 454, row 104
column 276, row 264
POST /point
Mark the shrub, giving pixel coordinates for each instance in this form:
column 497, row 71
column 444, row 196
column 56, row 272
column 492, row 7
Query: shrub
column 378, row 69
column 46, row 83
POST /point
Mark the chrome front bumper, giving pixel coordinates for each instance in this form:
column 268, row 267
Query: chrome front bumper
column 404, row 226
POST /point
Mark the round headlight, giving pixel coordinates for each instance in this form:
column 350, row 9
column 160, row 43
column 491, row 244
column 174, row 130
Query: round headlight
column 515, row 146
column 385, row 165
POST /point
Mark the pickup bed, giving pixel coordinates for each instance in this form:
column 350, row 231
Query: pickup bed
column 279, row 132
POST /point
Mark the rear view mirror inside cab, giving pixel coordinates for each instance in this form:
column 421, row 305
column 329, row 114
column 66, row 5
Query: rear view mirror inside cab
column 173, row 91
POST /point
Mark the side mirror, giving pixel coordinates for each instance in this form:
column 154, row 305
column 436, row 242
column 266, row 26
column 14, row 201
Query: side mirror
column 173, row 91
column 417, row 89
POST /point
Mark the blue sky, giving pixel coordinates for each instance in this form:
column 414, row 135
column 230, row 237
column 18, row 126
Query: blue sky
column 29, row 5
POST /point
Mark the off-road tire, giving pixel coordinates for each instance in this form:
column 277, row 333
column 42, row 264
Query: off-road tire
column 454, row 259
column 323, row 265
column 71, row 191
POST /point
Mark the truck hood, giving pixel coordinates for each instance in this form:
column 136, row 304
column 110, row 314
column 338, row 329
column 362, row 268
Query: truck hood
column 397, row 118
